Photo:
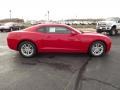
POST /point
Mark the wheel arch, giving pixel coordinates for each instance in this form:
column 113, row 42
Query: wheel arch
column 28, row 41
column 97, row 41
column 114, row 26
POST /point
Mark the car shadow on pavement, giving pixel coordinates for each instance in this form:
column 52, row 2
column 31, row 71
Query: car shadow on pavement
column 66, row 62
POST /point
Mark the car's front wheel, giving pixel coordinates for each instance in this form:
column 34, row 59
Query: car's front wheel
column 97, row 49
column 113, row 31
column 27, row 49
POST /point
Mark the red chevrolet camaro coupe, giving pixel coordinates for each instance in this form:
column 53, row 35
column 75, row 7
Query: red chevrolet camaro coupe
column 57, row 38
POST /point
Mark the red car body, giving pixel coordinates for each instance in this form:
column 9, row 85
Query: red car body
column 75, row 41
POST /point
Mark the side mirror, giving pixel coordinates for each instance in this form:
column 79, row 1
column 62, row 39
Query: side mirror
column 73, row 33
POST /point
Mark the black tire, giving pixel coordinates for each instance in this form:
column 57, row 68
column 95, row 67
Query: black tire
column 113, row 31
column 98, row 31
column 91, row 49
column 11, row 29
column 19, row 28
column 1, row 30
column 33, row 48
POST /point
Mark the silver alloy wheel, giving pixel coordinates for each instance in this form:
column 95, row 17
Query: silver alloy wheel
column 97, row 49
column 27, row 49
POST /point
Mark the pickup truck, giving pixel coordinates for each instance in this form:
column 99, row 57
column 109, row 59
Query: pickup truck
column 109, row 25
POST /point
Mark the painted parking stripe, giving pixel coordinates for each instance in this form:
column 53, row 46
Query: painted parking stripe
column 3, row 53
column 3, row 49
column 3, row 46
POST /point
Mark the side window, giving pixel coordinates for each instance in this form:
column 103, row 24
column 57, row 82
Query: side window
column 43, row 29
column 59, row 30
column 51, row 30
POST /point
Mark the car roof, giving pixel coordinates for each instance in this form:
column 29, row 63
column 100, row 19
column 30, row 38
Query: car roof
column 42, row 25
column 53, row 24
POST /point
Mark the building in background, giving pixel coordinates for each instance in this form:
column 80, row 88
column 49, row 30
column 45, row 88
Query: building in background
column 80, row 21
column 15, row 20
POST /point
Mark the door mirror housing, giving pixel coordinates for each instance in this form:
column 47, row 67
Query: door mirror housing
column 73, row 33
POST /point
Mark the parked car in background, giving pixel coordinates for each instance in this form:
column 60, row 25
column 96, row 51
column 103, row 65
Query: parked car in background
column 57, row 38
column 10, row 26
column 110, row 25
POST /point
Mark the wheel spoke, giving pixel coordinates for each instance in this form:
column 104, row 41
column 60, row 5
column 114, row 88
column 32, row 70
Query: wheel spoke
column 100, row 48
column 24, row 46
column 27, row 52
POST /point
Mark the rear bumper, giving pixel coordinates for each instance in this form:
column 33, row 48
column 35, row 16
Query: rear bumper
column 12, row 44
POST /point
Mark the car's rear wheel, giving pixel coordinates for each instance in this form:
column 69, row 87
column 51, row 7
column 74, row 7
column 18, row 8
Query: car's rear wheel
column 98, row 31
column 27, row 49
column 97, row 49
column 1, row 30
column 11, row 29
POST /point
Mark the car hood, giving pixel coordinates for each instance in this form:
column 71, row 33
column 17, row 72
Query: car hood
column 94, row 34
column 106, row 22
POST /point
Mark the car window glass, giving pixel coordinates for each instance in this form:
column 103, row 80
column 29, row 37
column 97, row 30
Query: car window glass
column 43, row 29
column 59, row 30
column 52, row 29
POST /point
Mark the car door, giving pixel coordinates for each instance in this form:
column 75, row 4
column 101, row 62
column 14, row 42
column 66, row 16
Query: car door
column 59, row 39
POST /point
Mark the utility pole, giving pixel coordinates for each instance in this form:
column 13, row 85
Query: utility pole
column 48, row 15
column 10, row 13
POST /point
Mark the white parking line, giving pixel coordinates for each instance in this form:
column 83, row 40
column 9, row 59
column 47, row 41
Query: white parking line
column 3, row 46
column 3, row 50
column 3, row 53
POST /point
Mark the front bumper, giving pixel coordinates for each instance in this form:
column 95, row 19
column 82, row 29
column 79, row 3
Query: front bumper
column 103, row 28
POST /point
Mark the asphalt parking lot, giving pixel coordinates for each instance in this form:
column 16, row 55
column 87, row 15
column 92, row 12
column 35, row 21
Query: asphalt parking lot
column 59, row 71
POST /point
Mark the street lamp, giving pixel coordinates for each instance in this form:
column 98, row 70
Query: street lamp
column 10, row 13
column 48, row 15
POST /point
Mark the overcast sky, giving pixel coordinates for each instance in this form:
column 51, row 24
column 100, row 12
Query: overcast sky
column 59, row 9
